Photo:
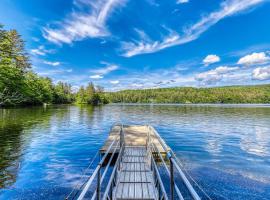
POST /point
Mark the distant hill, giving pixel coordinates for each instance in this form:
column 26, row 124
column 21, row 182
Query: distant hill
column 226, row 94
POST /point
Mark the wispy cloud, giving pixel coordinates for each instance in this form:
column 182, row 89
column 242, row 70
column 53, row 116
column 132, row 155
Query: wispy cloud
column 53, row 72
column 52, row 63
column 182, row 1
column 100, row 73
column 227, row 8
column 105, row 70
column 171, row 77
column 114, row 82
column 41, row 51
column 81, row 25
column 96, row 76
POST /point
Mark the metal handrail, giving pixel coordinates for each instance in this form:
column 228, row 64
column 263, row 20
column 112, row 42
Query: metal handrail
column 187, row 183
column 173, row 161
column 89, row 182
column 152, row 145
column 98, row 169
column 159, row 179
column 113, row 175
column 106, row 169
column 168, row 172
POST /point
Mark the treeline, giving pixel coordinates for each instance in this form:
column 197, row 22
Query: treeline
column 229, row 94
column 19, row 85
column 91, row 95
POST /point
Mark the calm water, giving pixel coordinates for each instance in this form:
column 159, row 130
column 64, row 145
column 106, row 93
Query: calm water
column 226, row 149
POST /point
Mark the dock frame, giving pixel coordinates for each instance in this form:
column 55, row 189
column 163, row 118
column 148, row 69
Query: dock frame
column 140, row 154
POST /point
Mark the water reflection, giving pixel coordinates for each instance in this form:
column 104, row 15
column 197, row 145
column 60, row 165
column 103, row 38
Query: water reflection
column 44, row 150
column 13, row 137
column 256, row 141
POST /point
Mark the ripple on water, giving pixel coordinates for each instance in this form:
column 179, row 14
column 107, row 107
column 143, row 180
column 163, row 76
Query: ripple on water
column 43, row 151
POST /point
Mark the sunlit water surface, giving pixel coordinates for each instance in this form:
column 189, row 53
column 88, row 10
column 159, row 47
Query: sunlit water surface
column 226, row 149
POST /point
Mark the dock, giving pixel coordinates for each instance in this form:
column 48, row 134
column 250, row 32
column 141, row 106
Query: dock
column 140, row 154
column 135, row 135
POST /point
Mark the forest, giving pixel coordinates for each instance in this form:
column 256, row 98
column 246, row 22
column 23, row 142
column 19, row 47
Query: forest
column 228, row 94
column 19, row 85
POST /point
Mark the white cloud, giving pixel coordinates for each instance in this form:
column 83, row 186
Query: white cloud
column 213, row 76
column 114, row 82
column 81, row 25
column 254, row 58
column 261, row 73
column 171, row 77
column 100, row 73
column 41, row 51
column 227, row 8
column 182, row 1
column 35, row 39
column 210, row 59
column 53, row 72
column 52, row 63
column 103, row 71
column 136, row 85
column 97, row 76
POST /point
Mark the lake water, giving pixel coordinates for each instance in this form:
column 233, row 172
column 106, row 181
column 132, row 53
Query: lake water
column 226, row 148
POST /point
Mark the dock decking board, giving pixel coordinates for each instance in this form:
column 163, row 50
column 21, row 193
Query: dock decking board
column 135, row 174
column 135, row 135
column 135, row 180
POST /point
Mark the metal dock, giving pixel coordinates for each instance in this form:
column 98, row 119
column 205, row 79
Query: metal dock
column 137, row 164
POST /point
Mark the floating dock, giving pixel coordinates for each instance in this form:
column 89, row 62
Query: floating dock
column 134, row 135
column 136, row 155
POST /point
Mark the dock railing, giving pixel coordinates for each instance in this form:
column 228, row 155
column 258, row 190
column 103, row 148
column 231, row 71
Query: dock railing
column 156, row 160
column 173, row 164
column 97, row 174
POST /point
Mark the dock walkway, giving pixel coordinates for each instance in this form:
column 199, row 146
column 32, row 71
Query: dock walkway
column 138, row 153
column 134, row 135
column 135, row 180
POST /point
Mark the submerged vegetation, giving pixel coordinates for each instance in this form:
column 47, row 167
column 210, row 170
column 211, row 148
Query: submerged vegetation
column 19, row 85
column 230, row 94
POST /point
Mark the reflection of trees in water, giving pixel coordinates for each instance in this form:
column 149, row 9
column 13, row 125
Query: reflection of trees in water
column 19, row 126
column 14, row 124
column 10, row 150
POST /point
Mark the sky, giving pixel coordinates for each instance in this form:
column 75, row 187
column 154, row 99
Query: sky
column 124, row 44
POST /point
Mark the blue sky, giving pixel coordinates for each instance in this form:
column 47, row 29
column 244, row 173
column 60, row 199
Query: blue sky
column 122, row 44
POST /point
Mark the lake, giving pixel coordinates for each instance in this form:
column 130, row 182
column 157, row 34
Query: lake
column 225, row 148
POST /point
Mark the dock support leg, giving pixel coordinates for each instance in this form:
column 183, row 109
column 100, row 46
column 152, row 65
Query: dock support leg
column 98, row 178
column 121, row 137
column 98, row 184
column 171, row 179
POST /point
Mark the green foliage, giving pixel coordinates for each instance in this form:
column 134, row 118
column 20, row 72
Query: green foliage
column 38, row 90
column 231, row 94
column 63, row 93
column 12, row 50
column 91, row 95
column 20, row 86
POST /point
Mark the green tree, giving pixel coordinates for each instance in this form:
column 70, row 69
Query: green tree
column 12, row 50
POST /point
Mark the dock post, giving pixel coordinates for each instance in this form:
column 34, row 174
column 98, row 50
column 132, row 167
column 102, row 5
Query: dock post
column 171, row 176
column 121, row 136
column 98, row 183
column 98, row 178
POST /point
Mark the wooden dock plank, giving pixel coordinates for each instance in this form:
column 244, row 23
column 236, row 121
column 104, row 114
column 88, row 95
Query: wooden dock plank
column 135, row 180
column 135, row 135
